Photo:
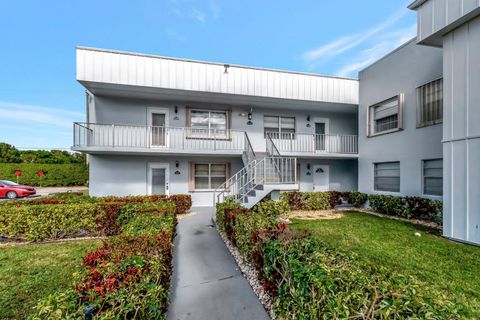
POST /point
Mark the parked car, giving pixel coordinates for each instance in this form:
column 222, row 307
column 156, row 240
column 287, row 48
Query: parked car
column 14, row 190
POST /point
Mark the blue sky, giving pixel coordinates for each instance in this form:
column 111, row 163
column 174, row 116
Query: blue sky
column 40, row 98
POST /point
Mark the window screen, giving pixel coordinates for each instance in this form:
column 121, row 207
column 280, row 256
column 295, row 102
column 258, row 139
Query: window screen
column 387, row 176
column 433, row 177
column 430, row 103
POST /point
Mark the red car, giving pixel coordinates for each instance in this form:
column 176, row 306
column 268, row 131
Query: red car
column 14, row 190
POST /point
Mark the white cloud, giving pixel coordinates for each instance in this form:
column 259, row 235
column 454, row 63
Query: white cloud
column 30, row 114
column 325, row 53
column 387, row 43
column 198, row 15
column 200, row 12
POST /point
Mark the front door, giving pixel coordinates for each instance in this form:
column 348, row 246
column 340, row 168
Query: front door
column 320, row 136
column 158, row 122
column 158, row 176
column 321, row 178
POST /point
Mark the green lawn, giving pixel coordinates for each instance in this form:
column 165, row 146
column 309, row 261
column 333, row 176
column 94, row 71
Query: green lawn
column 447, row 265
column 31, row 272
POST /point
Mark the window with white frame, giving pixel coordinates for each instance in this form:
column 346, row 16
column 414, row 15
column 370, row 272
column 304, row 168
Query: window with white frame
column 209, row 176
column 387, row 176
column 430, row 103
column 279, row 127
column 208, row 123
column 385, row 116
column 433, row 177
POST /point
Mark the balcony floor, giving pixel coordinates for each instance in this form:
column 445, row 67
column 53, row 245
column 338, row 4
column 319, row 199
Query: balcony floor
column 156, row 151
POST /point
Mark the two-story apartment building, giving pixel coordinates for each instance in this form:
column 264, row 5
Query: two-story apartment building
column 167, row 125
column 408, row 126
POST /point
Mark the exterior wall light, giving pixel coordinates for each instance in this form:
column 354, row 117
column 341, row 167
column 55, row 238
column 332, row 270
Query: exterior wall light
column 308, row 120
column 177, row 164
column 308, row 170
column 226, row 66
column 176, row 114
column 250, row 117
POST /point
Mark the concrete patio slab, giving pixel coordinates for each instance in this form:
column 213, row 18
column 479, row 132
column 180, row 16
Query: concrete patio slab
column 207, row 283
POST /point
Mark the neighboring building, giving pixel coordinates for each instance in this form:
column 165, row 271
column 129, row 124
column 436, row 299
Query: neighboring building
column 454, row 25
column 400, row 123
column 407, row 127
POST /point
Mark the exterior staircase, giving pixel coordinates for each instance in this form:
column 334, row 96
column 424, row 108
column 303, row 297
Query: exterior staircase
column 261, row 174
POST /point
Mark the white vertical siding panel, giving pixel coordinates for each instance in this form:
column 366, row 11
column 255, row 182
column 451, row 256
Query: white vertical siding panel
column 156, row 74
column 97, row 70
column 473, row 67
column 440, row 15
column 460, row 85
column 427, row 12
column 140, row 68
column 80, row 64
column 148, row 72
column 132, row 71
column 454, row 10
column 190, row 76
column 129, row 69
column 115, row 68
column 301, row 86
column 245, row 81
column 469, row 5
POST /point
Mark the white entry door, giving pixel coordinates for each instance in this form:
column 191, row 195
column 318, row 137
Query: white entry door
column 158, row 178
column 321, row 178
column 157, row 119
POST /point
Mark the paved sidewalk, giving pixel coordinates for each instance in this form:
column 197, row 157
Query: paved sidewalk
column 207, row 283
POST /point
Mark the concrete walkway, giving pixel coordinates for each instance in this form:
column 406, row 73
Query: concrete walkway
column 207, row 283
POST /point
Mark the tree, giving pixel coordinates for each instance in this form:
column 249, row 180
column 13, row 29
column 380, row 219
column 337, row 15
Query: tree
column 9, row 154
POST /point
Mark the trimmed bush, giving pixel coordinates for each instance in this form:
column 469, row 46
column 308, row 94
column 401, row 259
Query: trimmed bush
column 296, row 200
column 271, row 208
column 183, row 202
column 55, row 175
column 129, row 276
column 426, row 209
column 357, row 199
column 389, row 205
column 310, row 280
column 313, row 281
column 45, row 222
column 318, row 201
column 221, row 212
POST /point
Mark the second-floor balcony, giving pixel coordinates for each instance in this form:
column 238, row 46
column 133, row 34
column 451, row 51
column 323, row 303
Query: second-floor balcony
column 315, row 145
column 94, row 137
column 144, row 139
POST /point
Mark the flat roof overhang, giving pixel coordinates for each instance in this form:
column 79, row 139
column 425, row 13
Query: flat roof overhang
column 119, row 73
column 151, row 93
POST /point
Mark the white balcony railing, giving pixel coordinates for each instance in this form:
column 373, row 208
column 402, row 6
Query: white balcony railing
column 159, row 138
column 315, row 143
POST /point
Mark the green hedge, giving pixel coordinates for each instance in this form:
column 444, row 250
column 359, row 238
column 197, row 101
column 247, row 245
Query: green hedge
column 56, row 175
column 72, row 215
column 128, row 277
column 406, row 207
column 310, row 280
column 312, row 200
column 44, row 222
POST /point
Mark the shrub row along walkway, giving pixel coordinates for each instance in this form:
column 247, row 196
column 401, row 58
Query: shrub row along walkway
column 207, row 283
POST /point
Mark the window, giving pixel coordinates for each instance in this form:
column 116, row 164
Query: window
column 387, row 176
column 279, row 127
column 433, row 177
column 208, row 123
column 386, row 116
column 430, row 103
column 208, row 176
